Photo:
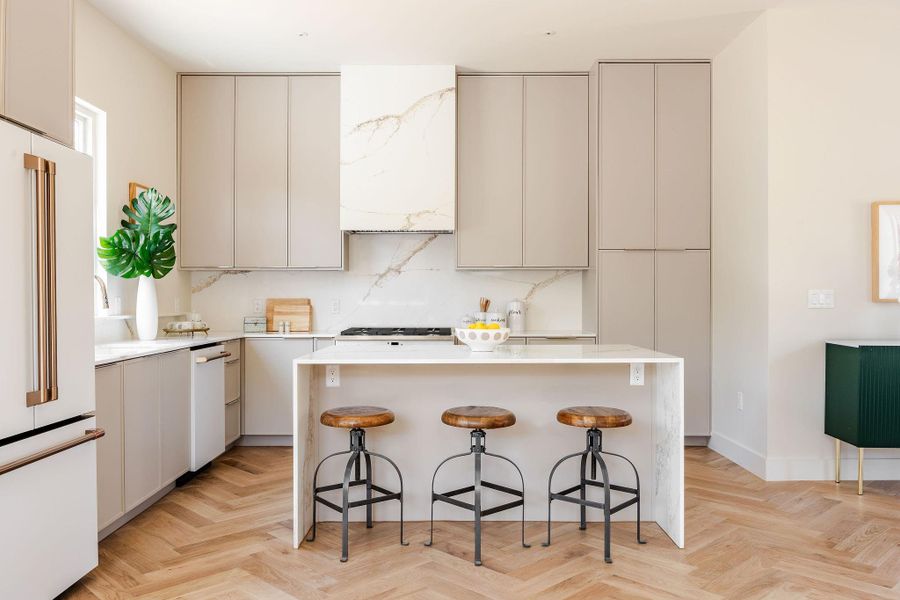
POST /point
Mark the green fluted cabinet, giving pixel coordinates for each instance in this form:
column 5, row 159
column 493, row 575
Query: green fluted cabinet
column 862, row 397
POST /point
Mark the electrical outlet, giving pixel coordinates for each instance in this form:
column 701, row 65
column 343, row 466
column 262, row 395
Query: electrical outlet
column 820, row 299
column 333, row 376
column 335, row 306
column 636, row 373
column 740, row 400
column 258, row 304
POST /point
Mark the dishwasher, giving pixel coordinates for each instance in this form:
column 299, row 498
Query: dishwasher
column 207, row 404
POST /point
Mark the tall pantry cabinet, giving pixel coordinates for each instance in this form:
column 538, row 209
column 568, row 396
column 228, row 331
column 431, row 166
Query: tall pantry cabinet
column 650, row 153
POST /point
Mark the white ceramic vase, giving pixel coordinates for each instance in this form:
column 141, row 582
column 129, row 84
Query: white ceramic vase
column 146, row 309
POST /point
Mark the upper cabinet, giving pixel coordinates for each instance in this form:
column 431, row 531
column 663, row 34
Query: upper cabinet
column 654, row 156
column 206, row 169
column 36, row 48
column 259, row 172
column 523, row 172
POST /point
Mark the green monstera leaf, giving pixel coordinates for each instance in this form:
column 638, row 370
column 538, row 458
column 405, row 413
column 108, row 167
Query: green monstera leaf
column 145, row 246
column 148, row 211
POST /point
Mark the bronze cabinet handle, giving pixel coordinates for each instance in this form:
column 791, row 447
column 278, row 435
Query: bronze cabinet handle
column 205, row 359
column 89, row 436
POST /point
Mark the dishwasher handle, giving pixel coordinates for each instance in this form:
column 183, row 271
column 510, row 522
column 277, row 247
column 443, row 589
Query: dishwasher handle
column 205, row 359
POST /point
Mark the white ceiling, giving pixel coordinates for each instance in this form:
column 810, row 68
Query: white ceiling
column 480, row 35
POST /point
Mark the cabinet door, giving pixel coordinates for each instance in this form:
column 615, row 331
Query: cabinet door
column 232, row 421
column 175, row 414
column 38, row 66
column 142, row 439
column 556, row 171
column 206, row 171
column 269, row 382
column 626, row 156
column 489, row 157
column 260, row 171
column 682, row 327
column 110, row 486
column 316, row 239
column 682, row 156
column 626, row 298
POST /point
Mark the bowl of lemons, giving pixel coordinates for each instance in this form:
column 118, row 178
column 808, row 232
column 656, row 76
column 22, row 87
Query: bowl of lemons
column 482, row 337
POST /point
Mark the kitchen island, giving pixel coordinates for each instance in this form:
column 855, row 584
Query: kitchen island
column 419, row 383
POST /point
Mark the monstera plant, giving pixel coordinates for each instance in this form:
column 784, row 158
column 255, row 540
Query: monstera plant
column 144, row 248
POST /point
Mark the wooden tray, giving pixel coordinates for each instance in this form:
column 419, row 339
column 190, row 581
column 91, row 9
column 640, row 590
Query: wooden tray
column 297, row 311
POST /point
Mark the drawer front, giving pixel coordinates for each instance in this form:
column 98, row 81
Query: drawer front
column 572, row 341
column 232, row 421
column 232, row 381
column 234, row 347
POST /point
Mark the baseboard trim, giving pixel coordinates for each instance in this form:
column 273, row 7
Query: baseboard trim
column 822, row 469
column 696, row 440
column 134, row 511
column 739, row 454
column 265, row 440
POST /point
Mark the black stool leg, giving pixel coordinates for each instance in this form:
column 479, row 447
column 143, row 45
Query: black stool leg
column 368, row 487
column 433, row 478
column 550, row 489
column 607, row 530
column 312, row 536
column 522, row 479
column 478, row 509
column 400, row 477
column 637, row 481
column 345, row 509
column 583, row 491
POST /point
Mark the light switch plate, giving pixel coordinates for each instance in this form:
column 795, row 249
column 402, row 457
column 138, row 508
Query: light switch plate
column 820, row 299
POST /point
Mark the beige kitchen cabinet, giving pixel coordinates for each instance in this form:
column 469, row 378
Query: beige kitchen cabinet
column 626, row 297
column 522, row 172
column 315, row 237
column 233, row 391
column 489, row 165
column 268, row 383
column 323, row 342
column 110, row 465
column 38, row 65
column 556, row 171
column 682, row 155
column 683, row 328
column 260, row 171
column 206, row 171
column 626, row 210
column 174, row 415
column 141, row 430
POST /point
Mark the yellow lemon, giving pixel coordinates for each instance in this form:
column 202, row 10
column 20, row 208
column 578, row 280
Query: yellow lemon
column 473, row 325
column 493, row 326
column 480, row 325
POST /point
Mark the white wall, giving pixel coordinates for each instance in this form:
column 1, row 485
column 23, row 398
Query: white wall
column 739, row 248
column 832, row 120
column 834, row 126
column 137, row 91
column 400, row 279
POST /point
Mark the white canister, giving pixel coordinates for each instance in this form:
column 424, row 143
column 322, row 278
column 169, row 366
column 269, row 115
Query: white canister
column 466, row 321
column 515, row 316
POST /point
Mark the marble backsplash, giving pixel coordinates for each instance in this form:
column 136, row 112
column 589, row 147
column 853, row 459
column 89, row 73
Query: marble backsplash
column 393, row 279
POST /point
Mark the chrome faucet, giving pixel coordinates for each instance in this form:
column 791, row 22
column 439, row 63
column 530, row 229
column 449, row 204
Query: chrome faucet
column 103, row 291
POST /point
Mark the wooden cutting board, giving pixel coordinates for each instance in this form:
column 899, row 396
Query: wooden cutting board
column 298, row 311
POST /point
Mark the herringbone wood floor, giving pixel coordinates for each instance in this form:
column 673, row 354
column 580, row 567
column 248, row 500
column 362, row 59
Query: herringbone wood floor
column 226, row 535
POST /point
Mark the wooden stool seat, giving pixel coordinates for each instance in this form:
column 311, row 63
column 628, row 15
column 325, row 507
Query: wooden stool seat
column 478, row 417
column 595, row 417
column 352, row 417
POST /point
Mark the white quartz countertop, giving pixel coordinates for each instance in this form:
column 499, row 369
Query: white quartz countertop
column 858, row 343
column 445, row 354
column 114, row 352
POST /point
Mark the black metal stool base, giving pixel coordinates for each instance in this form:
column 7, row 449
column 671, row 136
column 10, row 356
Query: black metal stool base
column 477, row 449
column 594, row 450
column 357, row 452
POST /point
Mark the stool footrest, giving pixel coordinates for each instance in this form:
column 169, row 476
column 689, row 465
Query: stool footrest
column 337, row 486
column 448, row 497
column 565, row 497
column 385, row 495
column 612, row 486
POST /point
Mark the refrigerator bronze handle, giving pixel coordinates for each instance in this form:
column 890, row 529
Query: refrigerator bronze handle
column 89, row 436
column 52, row 381
column 41, row 394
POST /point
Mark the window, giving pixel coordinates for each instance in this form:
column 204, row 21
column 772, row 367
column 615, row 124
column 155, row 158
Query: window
column 90, row 138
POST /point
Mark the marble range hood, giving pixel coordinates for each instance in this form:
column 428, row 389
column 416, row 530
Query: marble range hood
column 398, row 148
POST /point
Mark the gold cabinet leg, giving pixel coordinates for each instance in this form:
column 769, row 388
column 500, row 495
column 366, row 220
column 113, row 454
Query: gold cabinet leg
column 859, row 471
column 837, row 460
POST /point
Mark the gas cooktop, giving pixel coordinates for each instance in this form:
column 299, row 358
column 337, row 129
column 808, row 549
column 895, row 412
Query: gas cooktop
column 397, row 332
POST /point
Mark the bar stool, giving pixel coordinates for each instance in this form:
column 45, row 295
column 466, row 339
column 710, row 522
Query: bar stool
column 595, row 418
column 478, row 418
column 356, row 419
